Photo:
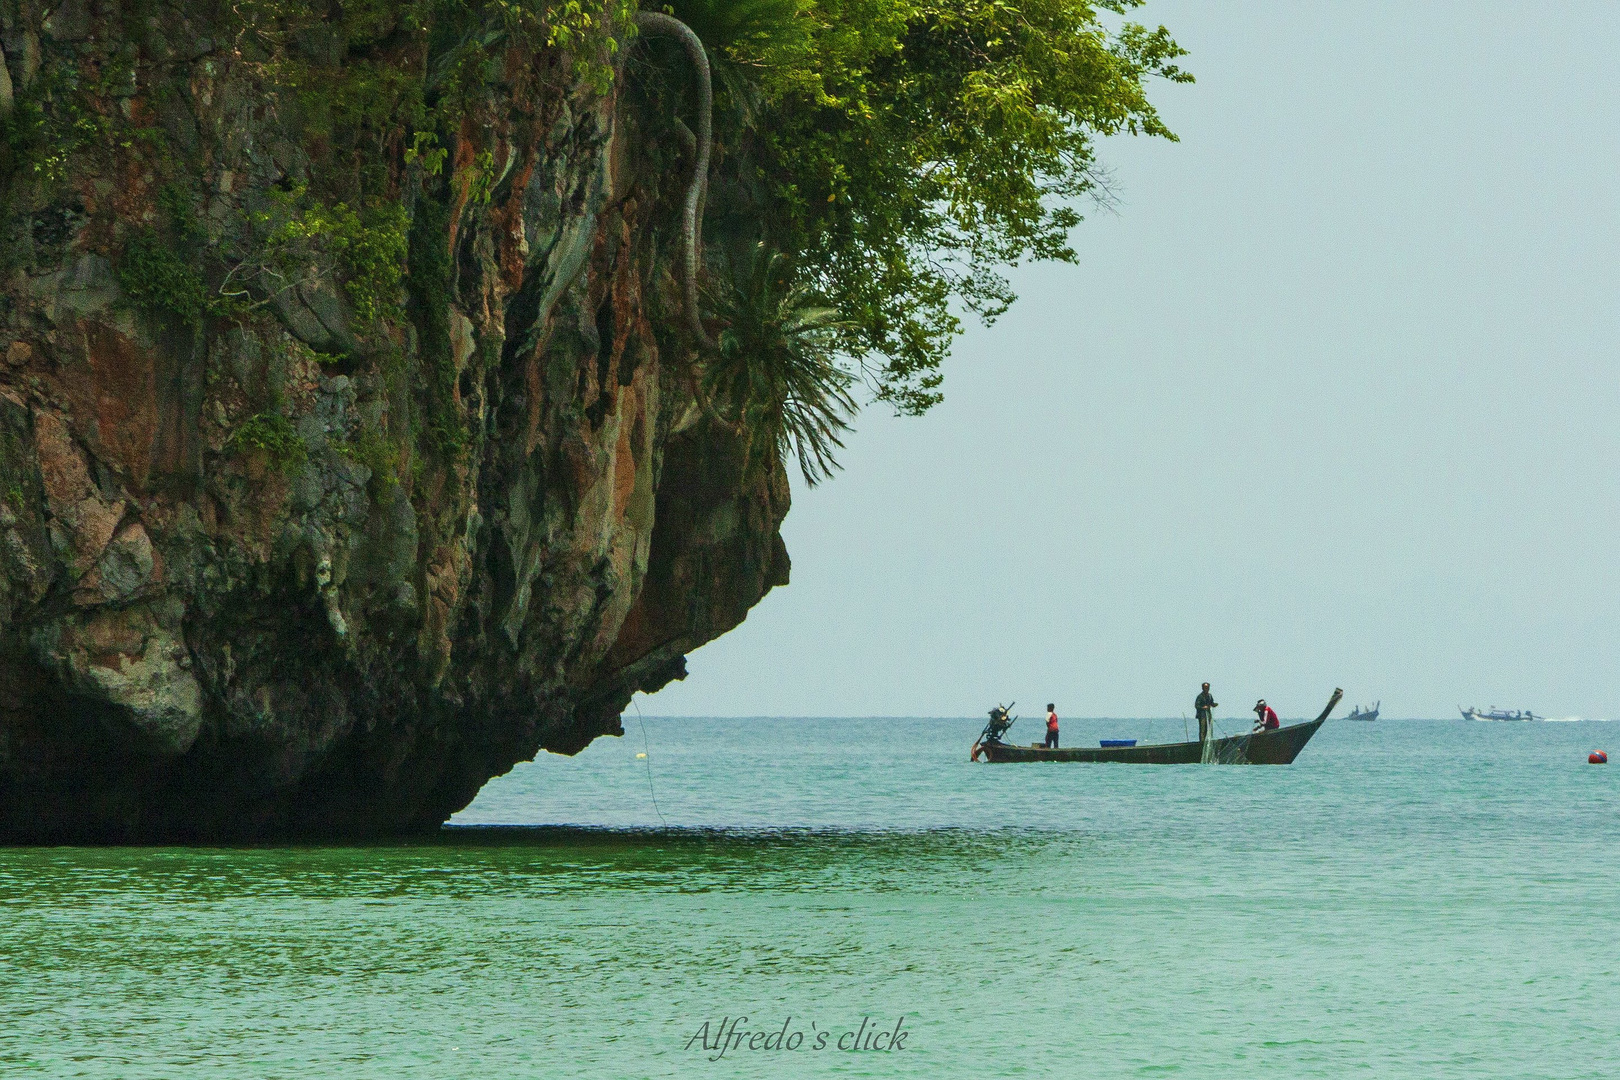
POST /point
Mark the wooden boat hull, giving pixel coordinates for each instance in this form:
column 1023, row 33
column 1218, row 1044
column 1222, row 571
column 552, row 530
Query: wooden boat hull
column 1279, row 746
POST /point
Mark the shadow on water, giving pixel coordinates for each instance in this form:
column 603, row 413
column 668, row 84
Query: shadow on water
column 537, row 860
column 682, row 837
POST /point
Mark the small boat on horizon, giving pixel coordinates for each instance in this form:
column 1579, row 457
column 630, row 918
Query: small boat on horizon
column 1472, row 713
column 1358, row 713
column 1279, row 746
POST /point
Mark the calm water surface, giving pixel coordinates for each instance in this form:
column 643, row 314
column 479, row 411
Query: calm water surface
column 1418, row 898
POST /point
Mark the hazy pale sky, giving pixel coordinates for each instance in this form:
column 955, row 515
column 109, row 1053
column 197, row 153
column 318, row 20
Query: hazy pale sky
column 1331, row 400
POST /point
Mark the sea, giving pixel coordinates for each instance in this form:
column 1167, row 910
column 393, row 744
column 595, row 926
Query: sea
column 854, row 898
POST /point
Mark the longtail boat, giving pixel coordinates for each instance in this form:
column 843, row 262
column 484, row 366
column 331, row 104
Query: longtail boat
column 1279, row 746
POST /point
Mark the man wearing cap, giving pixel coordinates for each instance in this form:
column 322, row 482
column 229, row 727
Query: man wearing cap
column 1205, row 706
column 1265, row 717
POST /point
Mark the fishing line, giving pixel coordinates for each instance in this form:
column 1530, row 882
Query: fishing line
column 647, row 756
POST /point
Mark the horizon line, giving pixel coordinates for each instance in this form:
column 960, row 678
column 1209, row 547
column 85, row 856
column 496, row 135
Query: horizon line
column 1032, row 716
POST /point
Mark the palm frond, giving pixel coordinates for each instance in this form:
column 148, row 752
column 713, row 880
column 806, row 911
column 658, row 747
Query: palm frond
column 776, row 370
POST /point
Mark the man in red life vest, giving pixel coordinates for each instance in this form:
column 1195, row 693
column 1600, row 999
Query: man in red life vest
column 1051, row 726
column 1265, row 717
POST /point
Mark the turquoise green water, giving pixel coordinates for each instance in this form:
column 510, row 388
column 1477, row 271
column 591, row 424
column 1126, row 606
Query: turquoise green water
column 1425, row 899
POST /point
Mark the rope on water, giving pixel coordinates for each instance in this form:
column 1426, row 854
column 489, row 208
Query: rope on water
column 646, row 754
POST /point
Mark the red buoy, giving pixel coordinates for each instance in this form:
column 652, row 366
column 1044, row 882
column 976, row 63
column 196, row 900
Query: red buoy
column 1597, row 757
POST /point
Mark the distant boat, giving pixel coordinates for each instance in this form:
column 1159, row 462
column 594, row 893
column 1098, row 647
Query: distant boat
column 1472, row 713
column 1358, row 713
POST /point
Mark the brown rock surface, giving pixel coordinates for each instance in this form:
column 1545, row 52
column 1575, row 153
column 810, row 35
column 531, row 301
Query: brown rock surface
column 268, row 566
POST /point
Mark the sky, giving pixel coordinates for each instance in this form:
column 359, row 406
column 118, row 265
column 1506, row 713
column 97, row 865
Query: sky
column 1330, row 399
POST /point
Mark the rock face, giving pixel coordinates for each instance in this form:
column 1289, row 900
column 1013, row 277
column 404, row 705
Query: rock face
column 313, row 522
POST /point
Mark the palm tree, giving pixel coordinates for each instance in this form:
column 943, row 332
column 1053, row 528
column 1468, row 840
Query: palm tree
column 774, row 371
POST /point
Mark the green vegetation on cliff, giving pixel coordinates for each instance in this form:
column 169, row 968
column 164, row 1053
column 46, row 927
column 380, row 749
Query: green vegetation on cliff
column 909, row 148
column 891, row 156
column 274, row 437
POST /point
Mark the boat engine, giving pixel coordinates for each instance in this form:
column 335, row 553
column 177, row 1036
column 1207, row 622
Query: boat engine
column 1001, row 719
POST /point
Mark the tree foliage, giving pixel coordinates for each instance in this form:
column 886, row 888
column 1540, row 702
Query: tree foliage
column 910, row 149
column 898, row 154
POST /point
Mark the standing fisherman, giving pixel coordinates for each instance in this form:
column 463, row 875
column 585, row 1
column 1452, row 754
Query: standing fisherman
column 1205, row 707
column 1051, row 726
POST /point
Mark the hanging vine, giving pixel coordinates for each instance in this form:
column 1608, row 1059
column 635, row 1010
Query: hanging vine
column 651, row 23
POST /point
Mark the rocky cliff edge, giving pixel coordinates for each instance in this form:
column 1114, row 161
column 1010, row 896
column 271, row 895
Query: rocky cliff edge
column 348, row 454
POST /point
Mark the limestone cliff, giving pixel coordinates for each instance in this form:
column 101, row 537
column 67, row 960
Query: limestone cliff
column 347, row 450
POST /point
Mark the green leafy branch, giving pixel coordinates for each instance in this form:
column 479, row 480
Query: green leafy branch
column 302, row 240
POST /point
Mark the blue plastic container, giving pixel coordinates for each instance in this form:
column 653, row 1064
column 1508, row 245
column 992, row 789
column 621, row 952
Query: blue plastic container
column 1119, row 742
